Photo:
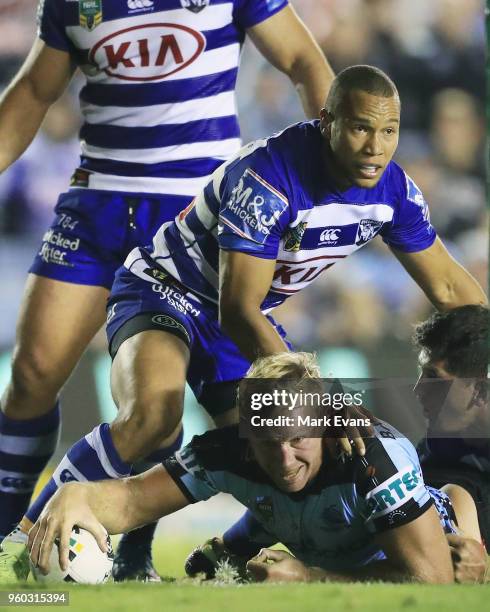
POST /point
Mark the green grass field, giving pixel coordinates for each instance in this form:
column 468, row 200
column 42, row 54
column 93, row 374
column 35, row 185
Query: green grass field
column 179, row 594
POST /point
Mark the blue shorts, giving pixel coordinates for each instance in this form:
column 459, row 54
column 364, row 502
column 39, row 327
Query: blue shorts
column 136, row 305
column 93, row 232
column 445, row 509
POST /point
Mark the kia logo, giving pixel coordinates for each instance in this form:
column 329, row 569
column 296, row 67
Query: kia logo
column 153, row 53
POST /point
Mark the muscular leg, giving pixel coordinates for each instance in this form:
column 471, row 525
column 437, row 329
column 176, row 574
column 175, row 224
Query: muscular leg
column 148, row 382
column 56, row 322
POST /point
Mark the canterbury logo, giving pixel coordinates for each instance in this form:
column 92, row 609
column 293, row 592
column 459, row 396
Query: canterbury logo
column 138, row 4
column 330, row 235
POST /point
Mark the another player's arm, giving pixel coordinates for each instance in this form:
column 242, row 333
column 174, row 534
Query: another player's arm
column 445, row 282
column 40, row 81
column 244, row 283
column 416, row 552
column 288, row 45
column 115, row 506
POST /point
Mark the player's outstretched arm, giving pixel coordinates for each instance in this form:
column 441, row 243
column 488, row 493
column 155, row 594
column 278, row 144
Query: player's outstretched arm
column 287, row 44
column 109, row 506
column 444, row 281
column 416, row 552
column 244, row 283
column 41, row 80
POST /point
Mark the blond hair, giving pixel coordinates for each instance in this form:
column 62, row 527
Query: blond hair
column 298, row 366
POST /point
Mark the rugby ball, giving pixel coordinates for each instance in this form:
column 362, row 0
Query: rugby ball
column 87, row 563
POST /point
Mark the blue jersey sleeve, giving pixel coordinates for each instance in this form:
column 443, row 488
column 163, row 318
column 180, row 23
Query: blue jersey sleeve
column 51, row 24
column 248, row 13
column 410, row 230
column 253, row 214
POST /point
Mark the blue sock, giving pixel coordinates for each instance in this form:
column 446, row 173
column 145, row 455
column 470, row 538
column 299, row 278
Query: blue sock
column 246, row 537
column 94, row 457
column 25, row 449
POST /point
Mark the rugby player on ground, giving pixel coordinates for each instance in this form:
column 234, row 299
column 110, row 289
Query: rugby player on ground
column 369, row 518
column 270, row 220
column 160, row 116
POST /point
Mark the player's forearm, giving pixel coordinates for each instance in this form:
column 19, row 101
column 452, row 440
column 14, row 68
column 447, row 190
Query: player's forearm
column 111, row 502
column 253, row 333
column 382, row 571
column 21, row 115
column 460, row 290
column 312, row 77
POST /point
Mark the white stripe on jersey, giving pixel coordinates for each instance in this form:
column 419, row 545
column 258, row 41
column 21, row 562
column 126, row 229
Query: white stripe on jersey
column 216, row 60
column 216, row 149
column 170, row 186
column 336, row 215
column 214, row 17
column 222, row 105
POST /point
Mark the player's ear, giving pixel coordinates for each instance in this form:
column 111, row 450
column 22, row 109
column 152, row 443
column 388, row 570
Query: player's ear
column 326, row 118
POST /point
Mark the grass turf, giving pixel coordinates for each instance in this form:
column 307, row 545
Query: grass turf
column 177, row 594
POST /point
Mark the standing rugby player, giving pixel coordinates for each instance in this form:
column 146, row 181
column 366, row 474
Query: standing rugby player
column 159, row 116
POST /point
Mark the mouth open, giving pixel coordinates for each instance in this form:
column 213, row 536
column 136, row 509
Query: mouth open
column 291, row 476
column 369, row 170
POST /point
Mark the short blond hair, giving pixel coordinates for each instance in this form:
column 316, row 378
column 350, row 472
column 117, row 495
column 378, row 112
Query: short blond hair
column 297, row 366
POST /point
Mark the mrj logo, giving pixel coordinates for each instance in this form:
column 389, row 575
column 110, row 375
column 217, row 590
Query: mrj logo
column 254, row 207
column 367, row 230
column 393, row 493
column 90, row 13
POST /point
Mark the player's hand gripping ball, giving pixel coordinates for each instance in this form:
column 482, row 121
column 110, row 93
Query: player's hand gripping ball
column 87, row 563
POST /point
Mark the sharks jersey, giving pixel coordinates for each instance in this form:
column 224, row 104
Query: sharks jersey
column 277, row 199
column 332, row 521
column 159, row 99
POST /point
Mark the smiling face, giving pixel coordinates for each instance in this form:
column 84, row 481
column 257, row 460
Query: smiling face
column 290, row 464
column 362, row 135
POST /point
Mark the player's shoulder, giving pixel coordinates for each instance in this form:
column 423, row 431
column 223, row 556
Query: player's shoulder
column 219, row 449
column 403, row 184
column 389, row 454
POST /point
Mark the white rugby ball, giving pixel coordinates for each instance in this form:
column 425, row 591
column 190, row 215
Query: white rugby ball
column 87, row 563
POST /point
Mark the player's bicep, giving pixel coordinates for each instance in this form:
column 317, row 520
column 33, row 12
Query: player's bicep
column 419, row 549
column 433, row 269
column 47, row 72
column 244, row 280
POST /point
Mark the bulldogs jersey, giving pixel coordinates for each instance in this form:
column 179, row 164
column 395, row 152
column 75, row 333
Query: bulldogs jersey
column 278, row 200
column 331, row 522
column 159, row 102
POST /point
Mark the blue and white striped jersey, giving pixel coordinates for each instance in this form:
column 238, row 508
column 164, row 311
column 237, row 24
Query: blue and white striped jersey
column 276, row 199
column 159, row 99
column 330, row 523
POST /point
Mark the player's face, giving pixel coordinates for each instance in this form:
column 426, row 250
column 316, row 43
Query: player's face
column 290, row 464
column 363, row 137
column 448, row 401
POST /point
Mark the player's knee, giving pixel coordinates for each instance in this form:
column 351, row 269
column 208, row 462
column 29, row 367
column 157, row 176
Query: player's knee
column 141, row 428
column 33, row 376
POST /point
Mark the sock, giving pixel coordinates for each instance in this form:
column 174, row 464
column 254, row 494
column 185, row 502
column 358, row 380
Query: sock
column 25, row 449
column 143, row 536
column 238, row 538
column 94, row 457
